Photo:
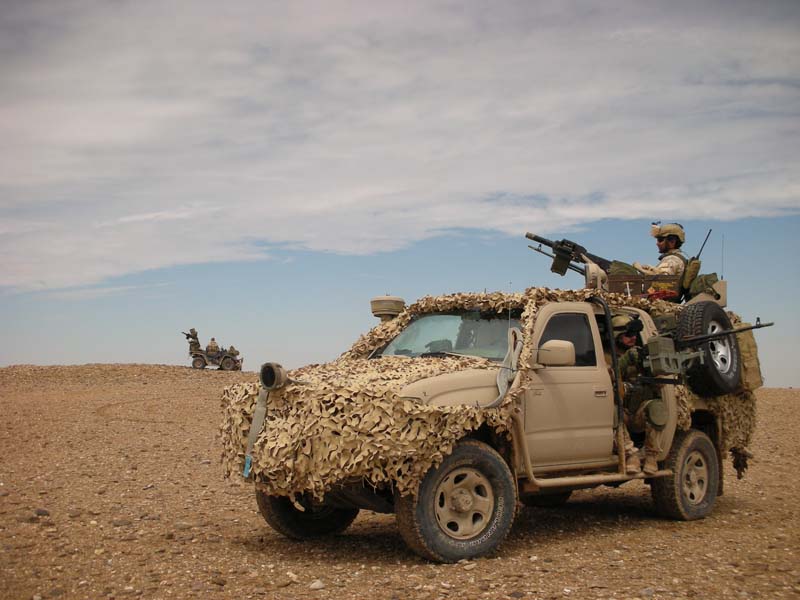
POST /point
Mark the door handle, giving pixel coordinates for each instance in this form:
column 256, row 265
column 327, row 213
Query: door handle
column 600, row 393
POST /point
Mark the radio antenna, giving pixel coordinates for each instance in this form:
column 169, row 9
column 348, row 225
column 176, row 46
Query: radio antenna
column 510, row 291
column 704, row 243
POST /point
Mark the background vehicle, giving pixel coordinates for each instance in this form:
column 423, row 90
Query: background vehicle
column 227, row 359
column 223, row 359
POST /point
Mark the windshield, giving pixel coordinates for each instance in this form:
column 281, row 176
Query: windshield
column 469, row 333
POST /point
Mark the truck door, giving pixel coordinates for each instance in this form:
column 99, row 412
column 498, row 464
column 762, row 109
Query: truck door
column 569, row 411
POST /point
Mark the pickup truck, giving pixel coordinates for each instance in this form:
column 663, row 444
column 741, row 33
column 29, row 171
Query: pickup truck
column 455, row 410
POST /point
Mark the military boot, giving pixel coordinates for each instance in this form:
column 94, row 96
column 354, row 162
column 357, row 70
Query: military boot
column 650, row 463
column 632, row 463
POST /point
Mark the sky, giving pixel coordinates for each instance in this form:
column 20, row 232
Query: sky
column 260, row 170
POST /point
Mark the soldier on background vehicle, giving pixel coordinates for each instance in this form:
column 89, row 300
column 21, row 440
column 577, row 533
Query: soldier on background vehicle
column 191, row 337
column 233, row 351
column 212, row 347
column 669, row 239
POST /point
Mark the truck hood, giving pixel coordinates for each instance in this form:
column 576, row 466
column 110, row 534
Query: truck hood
column 348, row 420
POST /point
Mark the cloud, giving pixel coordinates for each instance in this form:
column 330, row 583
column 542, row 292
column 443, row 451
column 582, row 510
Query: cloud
column 141, row 136
column 91, row 293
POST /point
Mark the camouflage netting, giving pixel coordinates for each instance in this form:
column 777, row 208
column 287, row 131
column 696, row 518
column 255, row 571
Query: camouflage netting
column 736, row 411
column 345, row 421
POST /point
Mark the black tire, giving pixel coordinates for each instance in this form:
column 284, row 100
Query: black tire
column 227, row 364
column 691, row 491
column 315, row 521
column 464, row 508
column 198, row 362
column 546, row 500
column 722, row 365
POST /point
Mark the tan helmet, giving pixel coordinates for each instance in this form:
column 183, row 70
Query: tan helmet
column 620, row 322
column 676, row 229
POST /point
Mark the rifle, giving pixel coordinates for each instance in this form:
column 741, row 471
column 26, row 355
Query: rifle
column 696, row 340
column 566, row 252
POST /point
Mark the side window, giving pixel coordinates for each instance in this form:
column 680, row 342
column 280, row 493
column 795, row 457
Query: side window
column 572, row 327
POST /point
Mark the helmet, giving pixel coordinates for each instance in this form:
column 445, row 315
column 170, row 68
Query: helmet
column 676, row 229
column 620, row 322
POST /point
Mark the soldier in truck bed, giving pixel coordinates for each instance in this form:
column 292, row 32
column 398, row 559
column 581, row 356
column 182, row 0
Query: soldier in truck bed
column 669, row 239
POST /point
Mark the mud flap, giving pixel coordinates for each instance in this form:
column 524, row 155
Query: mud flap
column 255, row 428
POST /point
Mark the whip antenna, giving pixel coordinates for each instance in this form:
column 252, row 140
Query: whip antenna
column 704, row 243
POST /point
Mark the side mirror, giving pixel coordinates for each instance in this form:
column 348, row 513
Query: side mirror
column 556, row 353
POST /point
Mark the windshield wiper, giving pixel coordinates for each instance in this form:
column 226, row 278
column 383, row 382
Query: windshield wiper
column 440, row 353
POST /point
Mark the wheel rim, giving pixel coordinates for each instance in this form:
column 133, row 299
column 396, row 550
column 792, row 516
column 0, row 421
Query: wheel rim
column 720, row 350
column 464, row 503
column 695, row 478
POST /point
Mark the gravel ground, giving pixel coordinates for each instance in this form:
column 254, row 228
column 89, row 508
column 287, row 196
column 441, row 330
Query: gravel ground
column 110, row 487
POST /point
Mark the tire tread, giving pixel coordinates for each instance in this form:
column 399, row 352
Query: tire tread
column 282, row 519
column 666, row 491
column 411, row 527
column 691, row 323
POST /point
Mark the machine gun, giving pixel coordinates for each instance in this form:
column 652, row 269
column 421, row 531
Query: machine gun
column 666, row 355
column 567, row 252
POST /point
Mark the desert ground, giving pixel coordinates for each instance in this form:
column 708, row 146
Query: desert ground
column 111, row 487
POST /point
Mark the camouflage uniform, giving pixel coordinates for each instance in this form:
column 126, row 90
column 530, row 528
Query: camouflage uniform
column 212, row 347
column 194, row 343
column 671, row 260
column 671, row 263
column 637, row 397
column 627, row 373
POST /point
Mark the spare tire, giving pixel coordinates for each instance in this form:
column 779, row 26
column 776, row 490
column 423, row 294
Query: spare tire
column 720, row 371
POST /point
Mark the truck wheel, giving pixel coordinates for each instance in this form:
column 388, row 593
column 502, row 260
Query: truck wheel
column 315, row 521
column 227, row 364
column 198, row 363
column 546, row 500
column 691, row 491
column 721, row 368
column 464, row 508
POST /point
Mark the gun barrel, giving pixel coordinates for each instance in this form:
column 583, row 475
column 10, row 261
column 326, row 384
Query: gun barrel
column 700, row 339
column 541, row 240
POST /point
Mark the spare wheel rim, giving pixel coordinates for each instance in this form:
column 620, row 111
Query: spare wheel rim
column 720, row 349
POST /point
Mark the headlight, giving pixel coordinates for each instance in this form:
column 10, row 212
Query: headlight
column 273, row 376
